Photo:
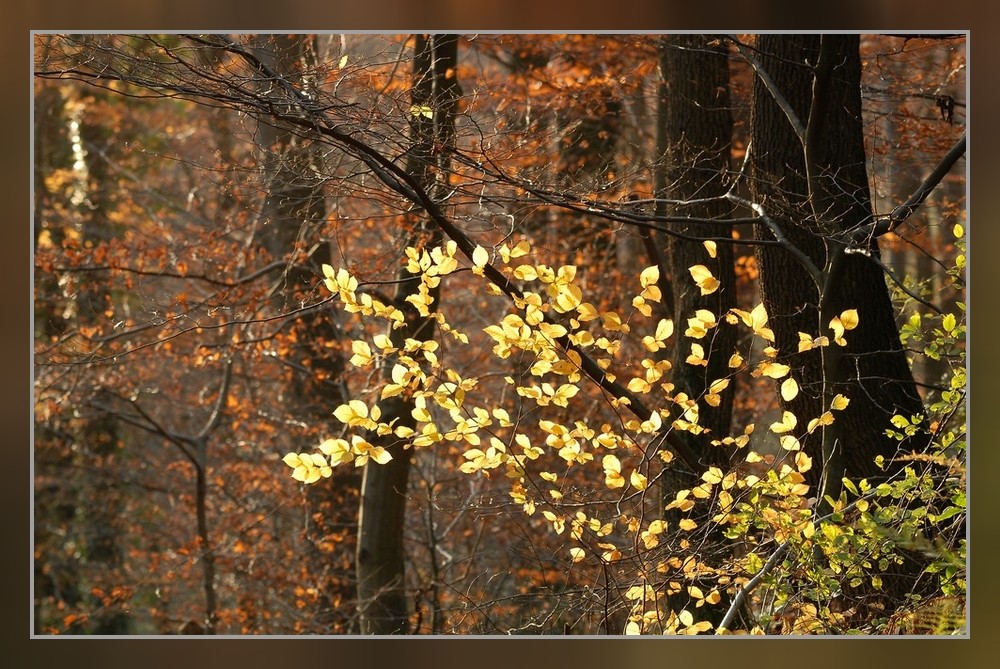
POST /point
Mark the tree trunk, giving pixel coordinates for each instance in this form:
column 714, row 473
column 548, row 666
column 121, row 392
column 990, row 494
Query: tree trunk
column 381, row 555
column 814, row 186
column 293, row 215
column 694, row 142
column 694, row 136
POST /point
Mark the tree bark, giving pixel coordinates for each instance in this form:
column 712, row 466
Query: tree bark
column 381, row 554
column 814, row 185
column 694, row 143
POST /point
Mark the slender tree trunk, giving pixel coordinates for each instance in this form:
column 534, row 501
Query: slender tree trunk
column 381, row 555
column 100, row 437
column 293, row 215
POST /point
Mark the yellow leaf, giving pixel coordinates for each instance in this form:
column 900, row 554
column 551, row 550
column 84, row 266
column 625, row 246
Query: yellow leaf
column 379, row 455
column 710, row 247
column 713, row 475
column 787, row 424
column 718, row 386
column 577, row 553
column 638, row 481
column 479, row 259
column 687, row 524
column 587, row 312
column 703, row 278
column 774, row 370
column 849, row 319
column 362, row 353
column 569, row 298
column 612, row 471
column 422, row 110
column 839, row 403
column 649, row 276
column 789, row 389
column 825, row 419
column 697, row 356
column 352, row 413
column 803, row 462
column 735, row 360
column 790, row 443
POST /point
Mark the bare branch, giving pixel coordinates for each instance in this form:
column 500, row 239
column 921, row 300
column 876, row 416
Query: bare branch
column 904, row 211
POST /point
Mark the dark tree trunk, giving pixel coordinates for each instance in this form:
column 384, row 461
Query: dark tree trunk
column 695, row 134
column 872, row 371
column 381, row 555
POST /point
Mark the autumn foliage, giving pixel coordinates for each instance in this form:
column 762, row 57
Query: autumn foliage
column 267, row 266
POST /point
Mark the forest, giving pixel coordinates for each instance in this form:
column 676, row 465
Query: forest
column 499, row 334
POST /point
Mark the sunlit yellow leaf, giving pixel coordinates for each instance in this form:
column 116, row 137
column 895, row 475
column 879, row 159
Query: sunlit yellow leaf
column 849, row 319
column 710, row 247
column 774, row 370
column 839, row 403
column 479, row 259
column 422, row 110
column 362, row 353
column 787, row 423
column 790, row 443
column 703, row 278
column 613, row 471
column 577, row 553
column 352, row 413
column 713, row 475
column 825, row 419
column 697, row 356
column 718, row 385
column 569, row 298
column 638, row 481
column 803, row 462
column 789, row 389
column 649, row 276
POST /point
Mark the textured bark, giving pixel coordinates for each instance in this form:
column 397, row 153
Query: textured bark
column 694, row 136
column 695, row 142
column 381, row 555
column 872, row 371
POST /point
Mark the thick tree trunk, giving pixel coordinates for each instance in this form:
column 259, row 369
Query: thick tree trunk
column 812, row 193
column 695, row 135
column 381, row 555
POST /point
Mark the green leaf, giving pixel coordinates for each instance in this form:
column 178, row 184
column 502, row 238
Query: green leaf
column 948, row 513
